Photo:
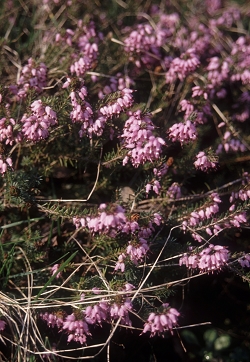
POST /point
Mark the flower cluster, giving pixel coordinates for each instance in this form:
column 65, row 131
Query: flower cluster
column 36, row 125
column 218, row 71
column 158, row 324
column 241, row 54
column 107, row 222
column 245, row 261
column 121, row 310
column 190, row 70
column 117, row 83
column 204, row 213
column 180, row 67
column 142, row 41
column 33, row 76
column 182, row 132
column 77, row 329
column 205, row 162
column 76, row 324
column 81, row 110
column 4, row 164
column 84, row 41
column 113, row 220
column 104, row 311
column 209, row 259
column 242, row 194
column 9, row 128
column 174, row 191
column 138, row 138
column 137, row 250
column 154, row 185
column 117, row 103
column 230, row 144
column 97, row 313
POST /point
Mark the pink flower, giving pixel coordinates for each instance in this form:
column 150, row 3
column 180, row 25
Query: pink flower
column 52, row 319
column 161, row 322
column 205, row 162
column 174, row 191
column 137, row 250
column 213, row 258
column 54, row 270
column 2, row 325
column 209, row 259
column 97, row 313
column 191, row 261
column 182, row 132
column 120, row 265
column 32, row 76
column 5, row 164
column 77, row 329
column 181, row 67
column 36, row 125
column 120, row 101
column 245, row 261
column 139, row 140
column 118, row 310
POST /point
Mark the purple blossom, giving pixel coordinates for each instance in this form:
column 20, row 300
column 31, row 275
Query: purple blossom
column 139, row 140
column 174, row 191
column 5, row 163
column 159, row 323
column 108, row 222
column 182, row 132
column 84, row 41
column 161, row 171
column 238, row 219
column 242, row 194
column 154, row 185
column 118, row 310
column 144, row 44
column 123, row 100
column 209, row 259
column 204, row 162
column 120, row 265
column 117, row 83
column 157, row 219
column 207, row 212
column 187, row 107
column 198, row 92
column 8, row 134
column 77, row 329
column 218, row 71
column 97, row 313
column 52, row 319
column 230, row 144
column 241, row 56
column 245, row 261
column 183, row 66
column 137, row 250
column 213, row 258
column 81, row 110
column 212, row 6
column 32, row 76
column 36, row 125
column 190, row 261
column 2, row 325
column 54, row 269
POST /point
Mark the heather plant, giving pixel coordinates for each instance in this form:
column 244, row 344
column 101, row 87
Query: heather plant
column 124, row 167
